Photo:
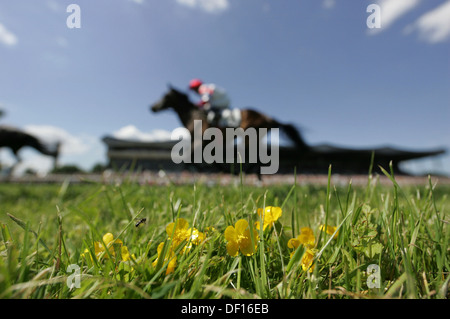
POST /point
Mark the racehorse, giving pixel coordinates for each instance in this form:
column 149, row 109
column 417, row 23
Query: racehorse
column 189, row 112
column 15, row 139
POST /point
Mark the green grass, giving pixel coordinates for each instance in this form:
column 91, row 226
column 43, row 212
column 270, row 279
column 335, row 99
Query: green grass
column 47, row 227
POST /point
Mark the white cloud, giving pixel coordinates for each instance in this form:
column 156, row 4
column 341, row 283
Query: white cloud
column 392, row 10
column 7, row 37
column 70, row 144
column 433, row 26
column 35, row 162
column 130, row 132
column 137, row 1
column 211, row 6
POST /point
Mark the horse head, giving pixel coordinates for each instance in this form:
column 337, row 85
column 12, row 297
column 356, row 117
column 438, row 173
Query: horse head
column 172, row 99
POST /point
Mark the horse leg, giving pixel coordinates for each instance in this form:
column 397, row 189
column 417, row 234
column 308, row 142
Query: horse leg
column 18, row 161
column 253, row 167
column 56, row 155
column 258, row 163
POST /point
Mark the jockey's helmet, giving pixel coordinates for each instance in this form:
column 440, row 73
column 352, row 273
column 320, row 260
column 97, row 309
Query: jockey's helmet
column 195, row 83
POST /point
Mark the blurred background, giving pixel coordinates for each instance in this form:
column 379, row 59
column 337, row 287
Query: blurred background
column 312, row 63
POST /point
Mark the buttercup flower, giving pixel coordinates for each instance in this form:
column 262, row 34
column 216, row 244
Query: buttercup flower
column 239, row 239
column 179, row 231
column 330, row 230
column 169, row 255
column 269, row 216
column 126, row 254
column 305, row 238
column 108, row 239
column 307, row 260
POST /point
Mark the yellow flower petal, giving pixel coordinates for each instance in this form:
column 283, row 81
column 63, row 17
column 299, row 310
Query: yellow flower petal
column 269, row 215
column 330, row 230
column 294, row 243
column 245, row 244
column 181, row 224
column 171, row 266
column 306, row 237
column 108, row 238
column 196, row 236
column 306, row 231
column 169, row 255
column 275, row 212
column 239, row 238
column 125, row 253
column 232, row 248
column 241, row 226
column 230, row 234
column 98, row 248
column 160, row 248
column 307, row 260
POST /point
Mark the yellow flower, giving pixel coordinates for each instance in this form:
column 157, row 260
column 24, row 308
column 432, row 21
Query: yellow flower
column 269, row 215
column 330, row 230
column 179, row 231
column 197, row 237
column 126, row 254
column 239, row 239
column 169, row 255
column 307, row 260
column 305, row 238
column 109, row 241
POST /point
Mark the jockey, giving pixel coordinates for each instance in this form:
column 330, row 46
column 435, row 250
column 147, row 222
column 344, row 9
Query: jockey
column 213, row 99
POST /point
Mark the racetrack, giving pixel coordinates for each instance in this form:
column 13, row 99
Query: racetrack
column 182, row 178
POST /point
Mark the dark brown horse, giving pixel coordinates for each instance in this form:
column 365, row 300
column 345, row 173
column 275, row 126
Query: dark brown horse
column 189, row 112
column 15, row 139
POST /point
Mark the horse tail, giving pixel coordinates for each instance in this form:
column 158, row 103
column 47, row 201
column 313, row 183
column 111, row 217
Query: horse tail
column 293, row 133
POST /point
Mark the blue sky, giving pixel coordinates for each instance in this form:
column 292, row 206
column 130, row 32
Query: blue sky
column 312, row 63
